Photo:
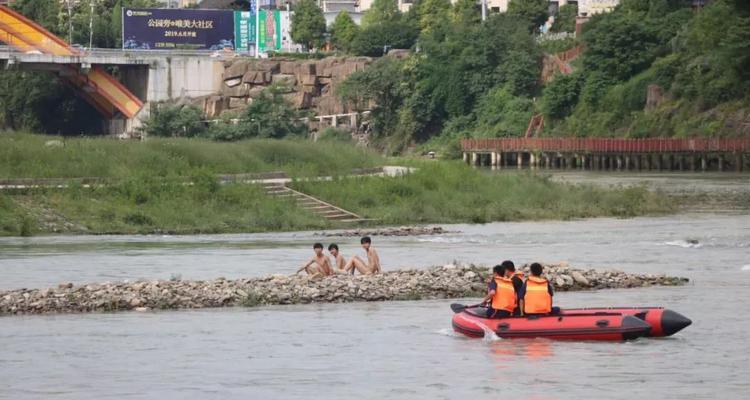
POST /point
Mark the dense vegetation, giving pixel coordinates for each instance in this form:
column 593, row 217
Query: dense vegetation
column 145, row 188
column 143, row 204
column 466, row 77
column 27, row 156
column 483, row 79
column 453, row 192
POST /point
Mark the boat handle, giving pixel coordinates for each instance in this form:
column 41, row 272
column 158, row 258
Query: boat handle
column 503, row 326
column 602, row 323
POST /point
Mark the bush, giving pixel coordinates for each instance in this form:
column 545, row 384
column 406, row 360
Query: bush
column 175, row 121
column 375, row 39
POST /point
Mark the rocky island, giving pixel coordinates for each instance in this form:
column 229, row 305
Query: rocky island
column 440, row 282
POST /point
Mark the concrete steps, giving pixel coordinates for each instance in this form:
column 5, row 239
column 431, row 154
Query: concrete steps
column 310, row 203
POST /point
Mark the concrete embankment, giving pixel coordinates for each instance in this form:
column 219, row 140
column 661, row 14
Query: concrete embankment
column 449, row 281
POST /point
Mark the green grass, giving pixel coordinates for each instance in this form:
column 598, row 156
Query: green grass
column 27, row 156
column 138, row 206
column 451, row 192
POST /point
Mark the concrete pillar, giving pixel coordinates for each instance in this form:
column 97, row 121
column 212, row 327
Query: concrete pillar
column 353, row 120
column 473, row 159
column 466, row 157
column 704, row 164
column 721, row 162
column 681, row 162
column 627, row 162
column 493, row 159
column 519, row 160
column 334, row 121
column 618, row 159
column 499, row 159
column 532, row 160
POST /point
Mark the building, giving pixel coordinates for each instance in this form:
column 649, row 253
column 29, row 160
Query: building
column 587, row 8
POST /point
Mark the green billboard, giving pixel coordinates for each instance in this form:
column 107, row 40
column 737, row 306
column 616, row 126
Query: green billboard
column 270, row 30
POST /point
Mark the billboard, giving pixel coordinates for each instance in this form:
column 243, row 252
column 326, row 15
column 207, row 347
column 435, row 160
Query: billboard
column 166, row 29
column 270, row 30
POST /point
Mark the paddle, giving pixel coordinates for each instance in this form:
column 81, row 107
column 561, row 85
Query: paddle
column 457, row 308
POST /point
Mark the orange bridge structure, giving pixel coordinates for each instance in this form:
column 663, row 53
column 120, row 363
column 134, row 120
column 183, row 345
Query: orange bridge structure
column 93, row 83
column 145, row 76
column 609, row 154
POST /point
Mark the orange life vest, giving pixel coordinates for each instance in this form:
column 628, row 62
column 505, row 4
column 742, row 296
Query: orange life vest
column 505, row 295
column 537, row 299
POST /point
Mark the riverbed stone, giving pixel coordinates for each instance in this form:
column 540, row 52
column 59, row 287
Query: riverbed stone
column 447, row 281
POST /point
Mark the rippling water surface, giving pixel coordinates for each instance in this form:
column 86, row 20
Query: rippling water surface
column 399, row 350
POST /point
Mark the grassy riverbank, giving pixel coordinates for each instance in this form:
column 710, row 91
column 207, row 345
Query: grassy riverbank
column 39, row 156
column 452, row 192
column 146, row 190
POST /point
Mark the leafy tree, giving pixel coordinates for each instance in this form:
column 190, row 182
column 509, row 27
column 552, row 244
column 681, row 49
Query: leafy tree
column 375, row 39
column 465, row 13
column 381, row 11
column 619, row 46
column 565, row 20
column 43, row 12
column 308, row 24
column 433, row 14
column 175, row 121
column 534, row 12
column 501, row 114
column 343, row 31
column 561, row 95
column 380, row 85
column 268, row 116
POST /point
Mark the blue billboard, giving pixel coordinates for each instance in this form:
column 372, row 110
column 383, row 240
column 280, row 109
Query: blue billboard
column 167, row 29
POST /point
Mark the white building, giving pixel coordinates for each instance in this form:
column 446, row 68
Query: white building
column 592, row 7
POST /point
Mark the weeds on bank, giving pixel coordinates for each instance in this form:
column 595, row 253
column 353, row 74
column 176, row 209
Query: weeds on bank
column 30, row 156
column 451, row 192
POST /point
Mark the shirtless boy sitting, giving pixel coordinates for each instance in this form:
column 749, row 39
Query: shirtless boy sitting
column 319, row 265
column 372, row 266
column 339, row 260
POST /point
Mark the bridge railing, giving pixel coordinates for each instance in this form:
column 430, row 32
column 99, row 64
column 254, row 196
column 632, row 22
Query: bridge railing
column 605, row 145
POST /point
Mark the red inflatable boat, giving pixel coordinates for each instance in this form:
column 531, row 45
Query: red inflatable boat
column 663, row 322
column 569, row 326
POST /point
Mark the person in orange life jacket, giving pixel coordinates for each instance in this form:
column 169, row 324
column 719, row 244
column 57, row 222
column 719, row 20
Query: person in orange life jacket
column 517, row 278
column 536, row 293
column 501, row 296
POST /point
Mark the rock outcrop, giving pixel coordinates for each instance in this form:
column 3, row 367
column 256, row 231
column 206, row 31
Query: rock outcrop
column 449, row 281
column 310, row 84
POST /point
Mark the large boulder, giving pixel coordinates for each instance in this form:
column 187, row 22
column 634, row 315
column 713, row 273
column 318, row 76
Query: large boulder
column 236, row 69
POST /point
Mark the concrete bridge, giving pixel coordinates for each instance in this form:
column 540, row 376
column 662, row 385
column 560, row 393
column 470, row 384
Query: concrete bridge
column 144, row 76
column 609, row 154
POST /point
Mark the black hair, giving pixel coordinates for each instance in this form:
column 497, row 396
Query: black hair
column 333, row 246
column 536, row 269
column 318, row 246
column 365, row 239
column 499, row 269
column 509, row 266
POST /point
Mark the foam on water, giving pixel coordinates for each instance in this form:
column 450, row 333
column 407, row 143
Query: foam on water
column 684, row 244
column 745, row 268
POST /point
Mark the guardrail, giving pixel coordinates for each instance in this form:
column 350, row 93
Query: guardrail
column 589, row 145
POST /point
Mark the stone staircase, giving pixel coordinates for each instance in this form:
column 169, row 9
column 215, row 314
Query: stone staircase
column 310, row 203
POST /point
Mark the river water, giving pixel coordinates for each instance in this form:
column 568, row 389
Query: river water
column 399, row 350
